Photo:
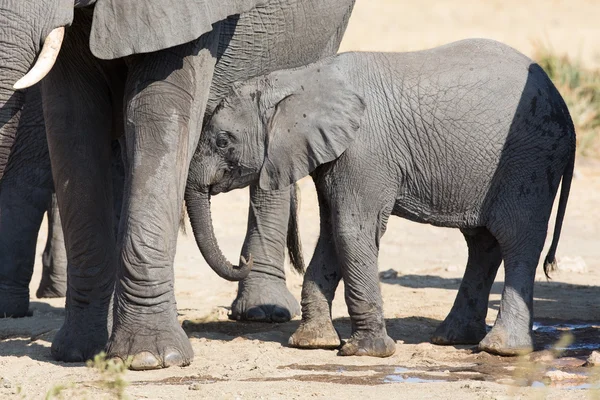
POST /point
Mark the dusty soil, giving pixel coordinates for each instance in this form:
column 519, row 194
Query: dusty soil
column 240, row 360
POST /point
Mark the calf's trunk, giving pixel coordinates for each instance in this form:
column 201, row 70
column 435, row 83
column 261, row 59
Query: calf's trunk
column 198, row 207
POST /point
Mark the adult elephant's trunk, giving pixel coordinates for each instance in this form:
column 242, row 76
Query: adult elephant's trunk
column 198, row 207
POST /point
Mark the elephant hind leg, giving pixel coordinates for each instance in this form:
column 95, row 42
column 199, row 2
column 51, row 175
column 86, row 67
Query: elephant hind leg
column 521, row 246
column 465, row 324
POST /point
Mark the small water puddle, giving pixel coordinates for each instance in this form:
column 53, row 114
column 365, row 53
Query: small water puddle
column 585, row 335
column 397, row 377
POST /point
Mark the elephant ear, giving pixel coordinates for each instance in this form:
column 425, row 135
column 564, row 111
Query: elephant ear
column 309, row 128
column 124, row 27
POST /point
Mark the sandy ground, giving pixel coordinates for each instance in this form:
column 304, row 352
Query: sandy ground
column 239, row 360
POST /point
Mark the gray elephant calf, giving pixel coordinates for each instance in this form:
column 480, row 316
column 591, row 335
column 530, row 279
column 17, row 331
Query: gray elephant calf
column 471, row 135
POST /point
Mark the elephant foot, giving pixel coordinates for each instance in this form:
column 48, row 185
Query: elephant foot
column 454, row 331
column 368, row 344
column 505, row 343
column 51, row 286
column 264, row 299
column 315, row 334
column 79, row 342
column 14, row 304
column 161, row 347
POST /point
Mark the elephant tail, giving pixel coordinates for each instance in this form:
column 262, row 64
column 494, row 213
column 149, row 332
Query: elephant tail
column 294, row 244
column 550, row 261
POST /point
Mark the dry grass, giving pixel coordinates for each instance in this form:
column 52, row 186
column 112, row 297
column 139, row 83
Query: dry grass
column 580, row 88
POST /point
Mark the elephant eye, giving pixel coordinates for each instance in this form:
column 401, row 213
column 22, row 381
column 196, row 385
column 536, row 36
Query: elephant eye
column 222, row 140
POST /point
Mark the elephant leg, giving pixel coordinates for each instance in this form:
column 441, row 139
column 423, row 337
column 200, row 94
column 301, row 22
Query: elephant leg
column 54, row 258
column 118, row 179
column 78, row 110
column 521, row 248
column 465, row 324
column 263, row 295
column 25, row 191
column 320, row 282
column 358, row 224
column 165, row 94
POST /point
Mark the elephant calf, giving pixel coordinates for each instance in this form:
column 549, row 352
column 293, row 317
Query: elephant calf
column 471, row 135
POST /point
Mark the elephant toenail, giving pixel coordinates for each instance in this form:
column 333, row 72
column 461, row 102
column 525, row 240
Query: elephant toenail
column 362, row 352
column 144, row 360
column 173, row 358
column 280, row 315
column 256, row 314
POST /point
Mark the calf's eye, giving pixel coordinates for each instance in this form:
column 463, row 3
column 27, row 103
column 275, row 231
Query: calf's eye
column 222, row 140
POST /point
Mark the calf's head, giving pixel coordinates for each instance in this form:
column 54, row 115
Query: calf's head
column 277, row 129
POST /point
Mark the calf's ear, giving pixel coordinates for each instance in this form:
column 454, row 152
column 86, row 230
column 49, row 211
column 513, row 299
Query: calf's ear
column 124, row 27
column 309, row 128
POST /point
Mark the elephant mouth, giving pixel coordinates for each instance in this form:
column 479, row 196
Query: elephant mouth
column 230, row 182
column 215, row 189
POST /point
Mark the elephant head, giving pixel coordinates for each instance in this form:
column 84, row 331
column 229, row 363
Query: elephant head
column 273, row 130
column 32, row 33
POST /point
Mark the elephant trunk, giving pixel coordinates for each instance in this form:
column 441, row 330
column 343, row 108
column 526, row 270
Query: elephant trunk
column 198, row 207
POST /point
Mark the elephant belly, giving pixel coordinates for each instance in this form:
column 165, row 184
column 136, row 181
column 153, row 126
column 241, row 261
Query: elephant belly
column 417, row 210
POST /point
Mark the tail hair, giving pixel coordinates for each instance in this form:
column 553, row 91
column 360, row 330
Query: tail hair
column 294, row 243
column 550, row 263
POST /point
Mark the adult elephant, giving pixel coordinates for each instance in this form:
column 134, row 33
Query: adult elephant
column 143, row 71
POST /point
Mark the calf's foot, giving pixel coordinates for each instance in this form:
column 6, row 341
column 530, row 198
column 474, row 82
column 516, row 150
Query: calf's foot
column 315, row 334
column 264, row 298
column 506, row 341
column 368, row 344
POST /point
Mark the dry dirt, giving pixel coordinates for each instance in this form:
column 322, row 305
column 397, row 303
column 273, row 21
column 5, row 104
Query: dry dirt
column 235, row 360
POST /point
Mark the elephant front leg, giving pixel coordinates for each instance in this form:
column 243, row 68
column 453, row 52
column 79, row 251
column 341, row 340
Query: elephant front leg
column 316, row 331
column 54, row 258
column 165, row 103
column 263, row 296
column 357, row 231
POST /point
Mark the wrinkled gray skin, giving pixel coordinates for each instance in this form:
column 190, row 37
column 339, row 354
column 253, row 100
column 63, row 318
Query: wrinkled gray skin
column 26, row 193
column 100, row 88
column 471, row 135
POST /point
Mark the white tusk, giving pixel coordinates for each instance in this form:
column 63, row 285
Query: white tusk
column 45, row 61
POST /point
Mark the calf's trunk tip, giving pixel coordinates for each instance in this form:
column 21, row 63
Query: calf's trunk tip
column 198, row 208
